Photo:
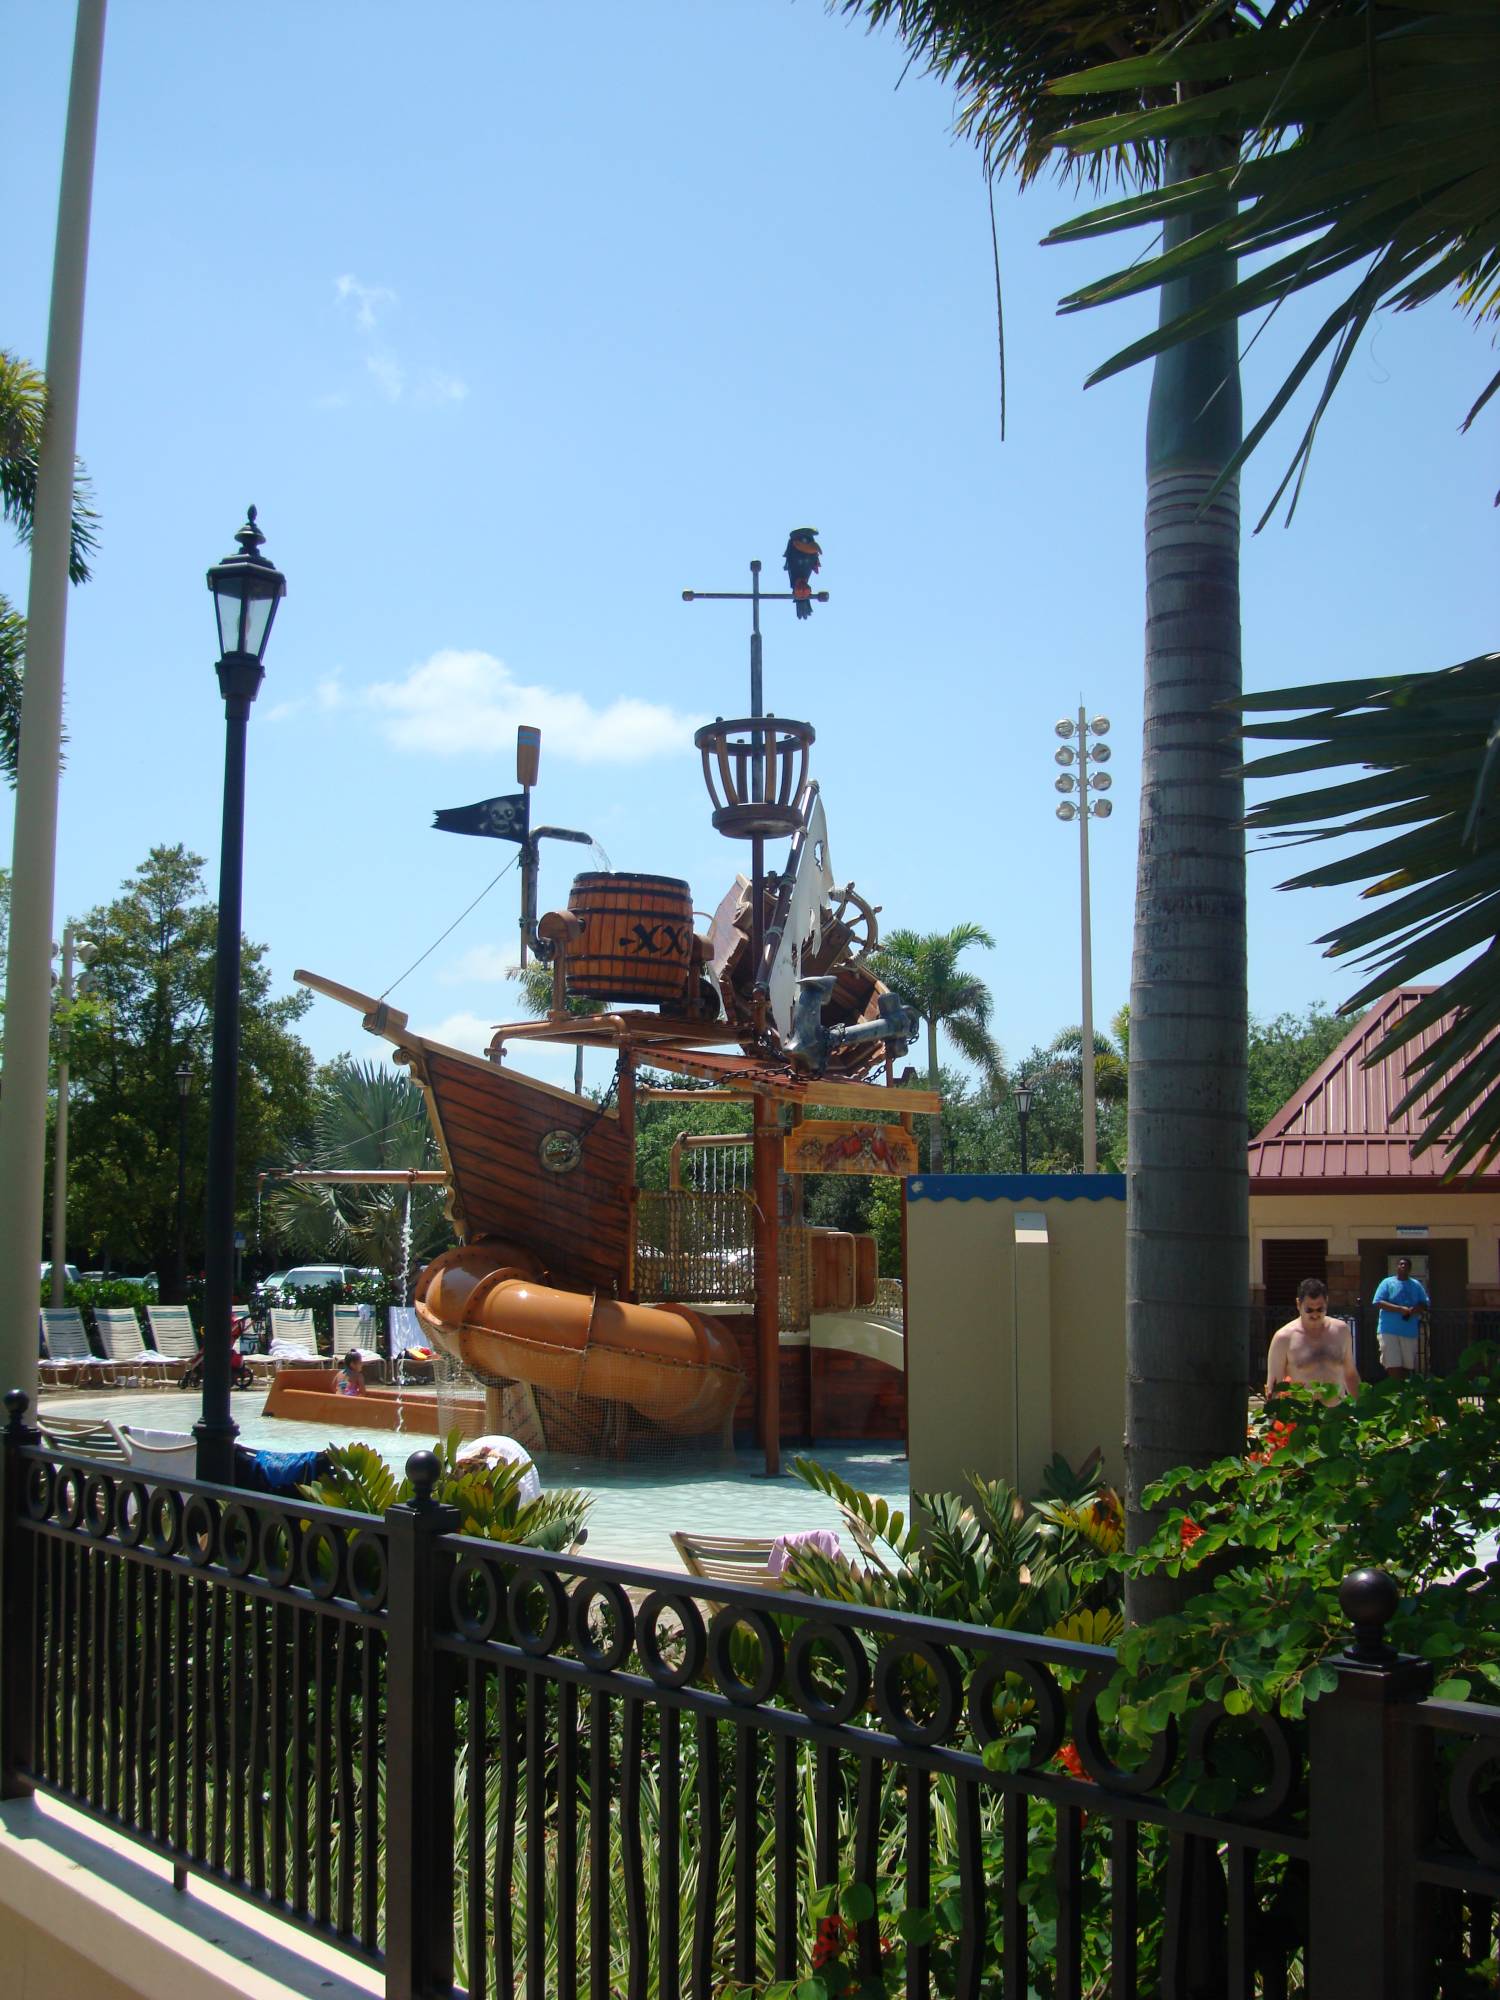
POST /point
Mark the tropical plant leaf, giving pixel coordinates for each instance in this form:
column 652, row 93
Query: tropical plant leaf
column 1369, row 139
column 1431, row 740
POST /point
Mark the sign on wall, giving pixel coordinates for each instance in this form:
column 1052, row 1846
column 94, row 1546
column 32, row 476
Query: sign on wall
column 838, row 1146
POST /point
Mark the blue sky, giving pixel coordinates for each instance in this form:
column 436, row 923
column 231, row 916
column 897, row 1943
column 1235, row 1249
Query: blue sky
column 514, row 321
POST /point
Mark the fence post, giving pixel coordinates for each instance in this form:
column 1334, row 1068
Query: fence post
column 419, row 1747
column 17, row 1606
column 1367, row 1808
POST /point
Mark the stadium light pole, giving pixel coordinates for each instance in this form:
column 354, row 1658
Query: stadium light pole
column 247, row 587
column 1087, row 782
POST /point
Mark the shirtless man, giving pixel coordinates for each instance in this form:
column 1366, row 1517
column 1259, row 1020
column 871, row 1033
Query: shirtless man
column 1312, row 1347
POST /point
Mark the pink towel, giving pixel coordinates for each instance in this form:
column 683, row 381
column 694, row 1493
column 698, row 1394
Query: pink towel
column 823, row 1540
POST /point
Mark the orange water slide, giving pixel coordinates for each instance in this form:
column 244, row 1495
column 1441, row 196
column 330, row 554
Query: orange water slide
column 485, row 1304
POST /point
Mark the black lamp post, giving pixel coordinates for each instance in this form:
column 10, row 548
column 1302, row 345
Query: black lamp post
column 1023, row 1095
column 247, row 589
column 179, row 1275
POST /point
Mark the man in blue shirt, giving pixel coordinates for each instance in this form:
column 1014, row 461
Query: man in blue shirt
column 1402, row 1301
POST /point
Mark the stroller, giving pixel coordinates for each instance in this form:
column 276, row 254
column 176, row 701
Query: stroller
column 240, row 1376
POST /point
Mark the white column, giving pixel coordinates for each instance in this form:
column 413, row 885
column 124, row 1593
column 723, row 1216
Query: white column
column 28, row 989
column 1090, row 1120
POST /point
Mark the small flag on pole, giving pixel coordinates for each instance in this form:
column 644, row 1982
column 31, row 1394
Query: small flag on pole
column 500, row 819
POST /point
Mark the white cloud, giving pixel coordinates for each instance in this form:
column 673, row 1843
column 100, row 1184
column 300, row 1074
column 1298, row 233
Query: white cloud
column 485, row 961
column 438, row 387
column 388, row 374
column 463, row 1031
column 330, row 694
column 458, row 702
column 369, row 301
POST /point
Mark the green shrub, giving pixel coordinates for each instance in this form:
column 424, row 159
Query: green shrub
column 487, row 1497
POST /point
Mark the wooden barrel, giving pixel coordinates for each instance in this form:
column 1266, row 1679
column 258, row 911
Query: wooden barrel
column 637, row 941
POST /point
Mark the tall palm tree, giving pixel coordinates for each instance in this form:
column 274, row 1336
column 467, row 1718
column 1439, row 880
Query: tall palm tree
column 23, row 403
column 1187, row 1205
column 923, row 972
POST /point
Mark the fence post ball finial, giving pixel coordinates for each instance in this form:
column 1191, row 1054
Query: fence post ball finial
column 1368, row 1599
column 16, row 1402
column 424, row 1470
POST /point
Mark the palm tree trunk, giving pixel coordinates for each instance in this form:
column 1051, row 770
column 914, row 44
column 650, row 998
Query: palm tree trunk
column 1187, row 1229
column 935, row 1124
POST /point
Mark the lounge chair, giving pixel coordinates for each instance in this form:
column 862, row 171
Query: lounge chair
column 176, row 1342
column 126, row 1352
column 354, row 1327
column 86, row 1437
column 65, row 1345
column 165, row 1455
column 727, row 1558
column 294, row 1342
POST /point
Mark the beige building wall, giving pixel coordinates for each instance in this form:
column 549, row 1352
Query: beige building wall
column 1345, row 1220
column 1015, row 1328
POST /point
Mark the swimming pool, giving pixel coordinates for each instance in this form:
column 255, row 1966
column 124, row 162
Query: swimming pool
column 636, row 1505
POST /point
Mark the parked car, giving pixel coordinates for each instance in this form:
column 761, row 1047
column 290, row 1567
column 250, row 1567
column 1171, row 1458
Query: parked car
column 282, row 1285
column 70, row 1272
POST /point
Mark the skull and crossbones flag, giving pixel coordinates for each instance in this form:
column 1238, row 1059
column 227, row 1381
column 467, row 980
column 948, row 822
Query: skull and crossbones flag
column 500, row 819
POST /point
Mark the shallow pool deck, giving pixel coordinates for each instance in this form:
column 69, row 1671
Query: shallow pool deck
column 637, row 1504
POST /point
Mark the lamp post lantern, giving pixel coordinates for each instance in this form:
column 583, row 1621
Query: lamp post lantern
column 247, row 587
column 1088, row 782
column 1022, row 1095
column 179, row 1273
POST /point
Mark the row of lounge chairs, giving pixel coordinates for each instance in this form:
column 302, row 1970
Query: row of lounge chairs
column 67, row 1356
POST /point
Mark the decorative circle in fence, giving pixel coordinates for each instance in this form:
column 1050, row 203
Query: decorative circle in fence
column 1473, row 1813
column 721, row 1631
column 239, row 1540
column 1284, row 1767
column 200, row 1530
column 545, row 1637
column 473, row 1599
column 946, row 1691
column 1048, row 1713
column 1096, row 1759
column 605, row 1658
column 691, row 1638
column 278, row 1551
column 164, row 1521
column 99, row 1505
column 802, row 1673
column 322, row 1560
column 367, row 1570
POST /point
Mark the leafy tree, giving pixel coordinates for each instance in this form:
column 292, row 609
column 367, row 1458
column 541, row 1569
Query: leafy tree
column 1283, row 1055
column 1187, row 1213
column 147, row 1012
column 923, row 971
column 23, row 405
column 659, row 1120
column 370, row 1117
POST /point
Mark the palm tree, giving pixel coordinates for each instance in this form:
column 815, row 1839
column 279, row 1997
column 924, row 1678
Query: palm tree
column 23, row 403
column 1187, row 1206
column 535, row 981
column 367, row 1117
column 923, row 973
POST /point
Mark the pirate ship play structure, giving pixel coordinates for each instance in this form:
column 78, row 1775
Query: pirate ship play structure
column 592, row 1311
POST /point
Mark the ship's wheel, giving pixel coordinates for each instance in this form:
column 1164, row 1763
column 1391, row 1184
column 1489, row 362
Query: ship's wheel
column 849, row 910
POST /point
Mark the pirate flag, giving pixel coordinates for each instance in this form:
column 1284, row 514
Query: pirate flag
column 500, row 819
column 802, row 565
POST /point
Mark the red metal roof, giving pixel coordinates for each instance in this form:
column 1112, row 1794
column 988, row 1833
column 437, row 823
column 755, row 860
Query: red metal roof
column 1338, row 1129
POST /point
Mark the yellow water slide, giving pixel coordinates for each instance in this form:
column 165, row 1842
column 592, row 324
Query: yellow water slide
column 487, row 1305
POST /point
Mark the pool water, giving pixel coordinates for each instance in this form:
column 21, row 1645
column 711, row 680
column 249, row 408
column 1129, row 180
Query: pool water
column 637, row 1504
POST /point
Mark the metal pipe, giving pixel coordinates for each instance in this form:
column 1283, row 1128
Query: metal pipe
column 767, row 1138
column 28, row 989
column 1086, row 1053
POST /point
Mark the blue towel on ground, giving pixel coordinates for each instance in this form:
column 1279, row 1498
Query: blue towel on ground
column 276, row 1471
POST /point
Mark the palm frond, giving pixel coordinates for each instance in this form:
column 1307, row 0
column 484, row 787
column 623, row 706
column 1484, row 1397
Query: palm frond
column 1372, row 146
column 1429, row 740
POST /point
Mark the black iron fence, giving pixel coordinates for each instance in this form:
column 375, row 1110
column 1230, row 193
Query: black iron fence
column 493, row 1770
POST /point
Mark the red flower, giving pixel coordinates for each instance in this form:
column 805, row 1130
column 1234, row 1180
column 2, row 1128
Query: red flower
column 1072, row 1762
column 833, row 1934
column 1190, row 1531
